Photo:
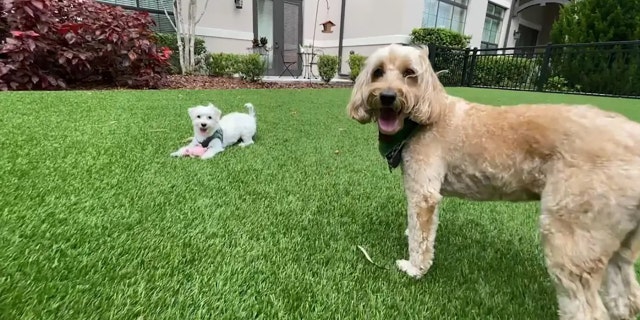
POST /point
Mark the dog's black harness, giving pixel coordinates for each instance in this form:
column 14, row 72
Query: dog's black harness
column 216, row 135
column 390, row 147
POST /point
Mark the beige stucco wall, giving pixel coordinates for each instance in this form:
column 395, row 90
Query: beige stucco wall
column 225, row 28
column 369, row 24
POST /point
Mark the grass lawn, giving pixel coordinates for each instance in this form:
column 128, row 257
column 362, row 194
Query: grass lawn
column 97, row 221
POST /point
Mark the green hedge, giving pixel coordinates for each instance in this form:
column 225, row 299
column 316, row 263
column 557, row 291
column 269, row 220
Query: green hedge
column 610, row 69
column 249, row 66
column 439, row 37
column 503, row 71
column 356, row 62
column 252, row 66
column 170, row 40
column 223, row 64
column 327, row 67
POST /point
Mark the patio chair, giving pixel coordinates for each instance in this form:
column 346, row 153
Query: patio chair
column 289, row 58
column 314, row 59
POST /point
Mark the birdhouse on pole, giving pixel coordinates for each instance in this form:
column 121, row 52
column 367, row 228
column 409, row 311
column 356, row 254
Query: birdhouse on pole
column 327, row 26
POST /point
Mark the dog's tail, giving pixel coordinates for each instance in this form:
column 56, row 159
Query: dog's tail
column 251, row 109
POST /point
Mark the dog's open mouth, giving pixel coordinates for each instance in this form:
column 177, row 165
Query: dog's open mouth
column 204, row 130
column 389, row 121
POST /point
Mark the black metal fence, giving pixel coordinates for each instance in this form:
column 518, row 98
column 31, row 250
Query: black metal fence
column 604, row 68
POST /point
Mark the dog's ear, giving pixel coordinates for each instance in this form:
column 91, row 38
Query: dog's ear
column 216, row 112
column 193, row 112
column 357, row 107
column 424, row 50
column 431, row 94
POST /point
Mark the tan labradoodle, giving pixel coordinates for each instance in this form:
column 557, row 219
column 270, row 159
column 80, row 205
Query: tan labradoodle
column 580, row 162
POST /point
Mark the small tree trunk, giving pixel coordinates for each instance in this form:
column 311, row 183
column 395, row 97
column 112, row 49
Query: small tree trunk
column 177, row 6
column 192, row 31
column 188, row 36
column 186, row 31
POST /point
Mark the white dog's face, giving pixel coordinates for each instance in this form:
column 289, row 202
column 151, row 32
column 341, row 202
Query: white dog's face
column 205, row 119
column 396, row 82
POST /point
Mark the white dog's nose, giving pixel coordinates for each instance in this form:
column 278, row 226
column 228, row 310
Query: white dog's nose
column 203, row 125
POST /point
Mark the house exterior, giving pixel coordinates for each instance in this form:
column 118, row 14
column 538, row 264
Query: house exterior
column 360, row 26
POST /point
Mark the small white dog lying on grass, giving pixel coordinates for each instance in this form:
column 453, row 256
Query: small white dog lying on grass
column 211, row 133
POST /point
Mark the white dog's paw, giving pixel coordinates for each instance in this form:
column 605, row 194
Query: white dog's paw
column 408, row 268
column 207, row 156
column 175, row 154
column 406, row 232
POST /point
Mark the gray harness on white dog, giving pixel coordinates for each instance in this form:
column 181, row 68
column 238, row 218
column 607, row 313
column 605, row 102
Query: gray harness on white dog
column 216, row 135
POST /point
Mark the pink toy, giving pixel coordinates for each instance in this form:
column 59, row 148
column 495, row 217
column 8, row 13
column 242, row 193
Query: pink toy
column 196, row 151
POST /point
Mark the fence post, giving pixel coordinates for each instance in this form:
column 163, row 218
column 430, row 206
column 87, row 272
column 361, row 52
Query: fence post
column 464, row 66
column 474, row 57
column 432, row 52
column 544, row 70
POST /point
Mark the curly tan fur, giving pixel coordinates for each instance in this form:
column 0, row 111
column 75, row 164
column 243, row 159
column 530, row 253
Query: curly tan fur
column 580, row 162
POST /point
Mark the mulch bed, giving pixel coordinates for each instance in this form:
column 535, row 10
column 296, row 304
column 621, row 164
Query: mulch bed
column 207, row 82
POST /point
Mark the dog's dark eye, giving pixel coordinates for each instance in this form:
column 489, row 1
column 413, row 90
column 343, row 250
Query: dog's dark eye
column 198, row 117
column 377, row 73
column 209, row 117
column 408, row 73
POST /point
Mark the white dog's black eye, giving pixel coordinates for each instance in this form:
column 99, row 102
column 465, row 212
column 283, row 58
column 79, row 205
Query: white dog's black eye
column 209, row 117
column 408, row 73
column 198, row 116
column 378, row 73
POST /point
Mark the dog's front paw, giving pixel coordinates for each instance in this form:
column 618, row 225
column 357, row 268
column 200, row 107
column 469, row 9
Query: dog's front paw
column 207, row 156
column 175, row 154
column 408, row 268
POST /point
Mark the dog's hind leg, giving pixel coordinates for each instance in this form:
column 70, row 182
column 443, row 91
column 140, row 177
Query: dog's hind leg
column 620, row 291
column 246, row 140
column 576, row 258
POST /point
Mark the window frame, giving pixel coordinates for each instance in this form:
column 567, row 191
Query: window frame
column 500, row 18
column 136, row 7
column 454, row 3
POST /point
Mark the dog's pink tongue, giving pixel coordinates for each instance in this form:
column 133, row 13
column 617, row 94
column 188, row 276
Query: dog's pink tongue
column 388, row 122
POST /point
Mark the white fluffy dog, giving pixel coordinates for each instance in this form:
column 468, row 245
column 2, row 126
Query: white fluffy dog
column 212, row 133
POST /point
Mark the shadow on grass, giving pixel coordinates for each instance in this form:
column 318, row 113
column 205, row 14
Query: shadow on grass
column 501, row 272
column 487, row 265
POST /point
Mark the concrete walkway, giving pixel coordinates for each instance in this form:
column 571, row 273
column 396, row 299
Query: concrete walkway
column 286, row 79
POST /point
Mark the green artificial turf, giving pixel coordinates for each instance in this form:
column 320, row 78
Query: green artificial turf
column 97, row 221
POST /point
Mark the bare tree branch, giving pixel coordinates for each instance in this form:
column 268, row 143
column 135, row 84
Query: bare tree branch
column 166, row 13
column 206, row 3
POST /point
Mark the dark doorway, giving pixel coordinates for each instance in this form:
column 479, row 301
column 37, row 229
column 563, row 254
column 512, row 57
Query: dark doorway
column 280, row 21
column 528, row 38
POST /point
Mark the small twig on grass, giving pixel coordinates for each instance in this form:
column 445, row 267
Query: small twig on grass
column 106, row 124
column 366, row 255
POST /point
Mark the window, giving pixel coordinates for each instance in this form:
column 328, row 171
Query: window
column 492, row 24
column 155, row 9
column 448, row 14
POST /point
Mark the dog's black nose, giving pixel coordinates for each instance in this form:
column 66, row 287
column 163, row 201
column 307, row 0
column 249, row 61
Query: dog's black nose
column 387, row 97
column 203, row 125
